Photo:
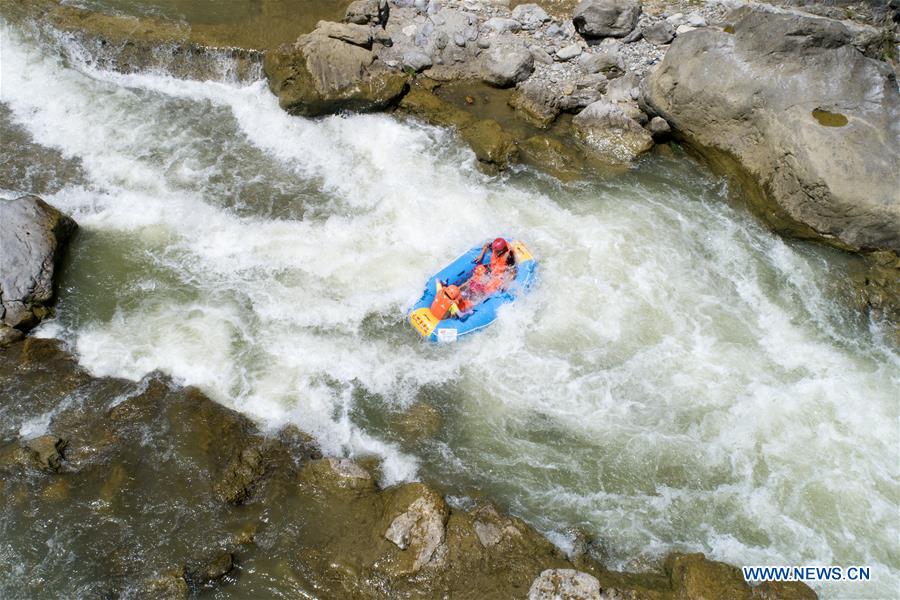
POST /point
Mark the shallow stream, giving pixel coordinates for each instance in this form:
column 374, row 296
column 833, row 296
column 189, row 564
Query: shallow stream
column 679, row 379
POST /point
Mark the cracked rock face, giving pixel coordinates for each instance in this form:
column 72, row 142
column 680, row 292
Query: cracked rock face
column 420, row 531
column 565, row 583
column 794, row 101
column 33, row 236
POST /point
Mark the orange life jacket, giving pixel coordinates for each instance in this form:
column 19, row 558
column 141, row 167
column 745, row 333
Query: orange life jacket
column 443, row 306
column 498, row 263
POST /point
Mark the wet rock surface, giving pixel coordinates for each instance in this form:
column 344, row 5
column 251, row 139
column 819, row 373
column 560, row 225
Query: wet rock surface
column 33, row 237
column 315, row 526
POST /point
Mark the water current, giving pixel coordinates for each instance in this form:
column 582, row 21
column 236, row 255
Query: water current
column 680, row 378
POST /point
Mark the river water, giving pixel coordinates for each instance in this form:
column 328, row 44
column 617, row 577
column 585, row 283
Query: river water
column 679, row 379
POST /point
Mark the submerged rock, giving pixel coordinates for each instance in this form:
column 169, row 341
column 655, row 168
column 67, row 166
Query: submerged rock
column 43, row 453
column 210, row 571
column 606, row 18
column 790, row 103
column 33, row 237
column 554, row 157
column 694, row 576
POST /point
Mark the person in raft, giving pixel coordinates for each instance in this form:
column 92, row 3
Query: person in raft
column 502, row 266
column 446, row 302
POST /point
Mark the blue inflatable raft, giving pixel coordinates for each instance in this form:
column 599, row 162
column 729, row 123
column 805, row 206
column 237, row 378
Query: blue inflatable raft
column 482, row 314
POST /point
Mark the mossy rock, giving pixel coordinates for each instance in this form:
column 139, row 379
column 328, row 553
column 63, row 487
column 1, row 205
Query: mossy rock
column 553, row 157
column 493, row 147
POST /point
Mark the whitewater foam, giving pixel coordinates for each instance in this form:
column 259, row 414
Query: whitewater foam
column 679, row 378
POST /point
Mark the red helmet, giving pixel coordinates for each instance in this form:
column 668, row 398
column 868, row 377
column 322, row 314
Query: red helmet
column 499, row 245
column 452, row 292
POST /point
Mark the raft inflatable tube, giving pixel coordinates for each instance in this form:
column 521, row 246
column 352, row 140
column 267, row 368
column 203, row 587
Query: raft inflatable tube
column 483, row 314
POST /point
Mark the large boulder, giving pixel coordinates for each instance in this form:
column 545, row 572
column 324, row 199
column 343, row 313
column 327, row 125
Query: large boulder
column 606, row 18
column 33, row 236
column 507, row 62
column 610, row 134
column 331, row 70
column 811, row 121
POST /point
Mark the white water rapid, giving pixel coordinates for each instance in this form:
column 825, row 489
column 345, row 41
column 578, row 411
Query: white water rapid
column 679, row 379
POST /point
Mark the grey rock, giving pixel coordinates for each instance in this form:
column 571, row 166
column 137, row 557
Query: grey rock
column 502, row 25
column 568, row 53
column 683, row 29
column 606, row 61
column 507, row 62
column 33, row 237
column 659, row 128
column 579, row 98
column 610, row 134
column 812, row 120
column 322, row 75
column 420, row 529
column 541, row 55
column 660, row 33
column 570, row 584
column 535, row 102
column 556, row 30
column 358, row 35
column 675, row 19
column 416, row 60
column 695, row 19
column 367, row 12
column 623, row 89
column 531, row 16
column 347, row 469
column 606, row 18
column 636, row 34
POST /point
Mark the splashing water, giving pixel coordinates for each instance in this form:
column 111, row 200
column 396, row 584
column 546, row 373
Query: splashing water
column 680, row 378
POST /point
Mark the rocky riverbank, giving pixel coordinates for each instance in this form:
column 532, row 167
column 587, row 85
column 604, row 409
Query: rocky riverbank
column 564, row 92
column 573, row 90
column 157, row 491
